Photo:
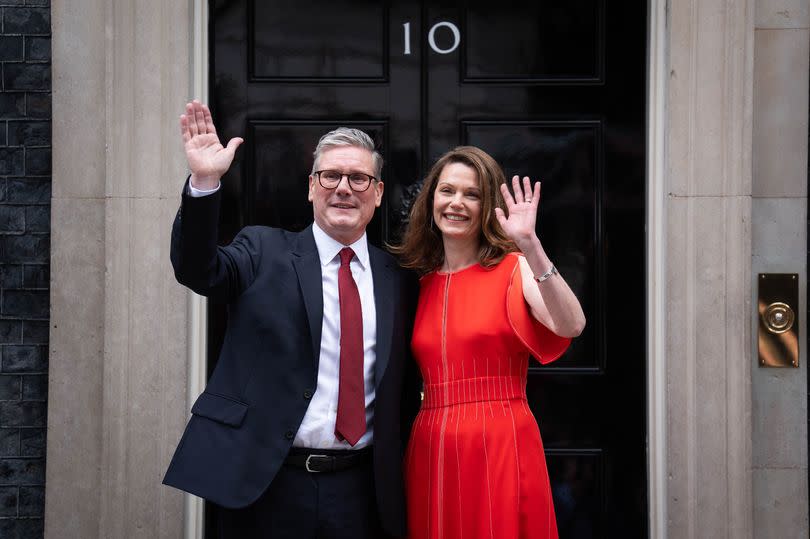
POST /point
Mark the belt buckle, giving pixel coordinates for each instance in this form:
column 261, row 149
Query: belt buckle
column 306, row 464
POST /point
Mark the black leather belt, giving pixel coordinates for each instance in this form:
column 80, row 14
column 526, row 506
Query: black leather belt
column 319, row 461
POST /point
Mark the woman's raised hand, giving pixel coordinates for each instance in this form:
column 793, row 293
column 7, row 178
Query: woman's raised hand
column 207, row 159
column 519, row 226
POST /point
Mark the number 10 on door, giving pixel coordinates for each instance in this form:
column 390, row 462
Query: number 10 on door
column 452, row 28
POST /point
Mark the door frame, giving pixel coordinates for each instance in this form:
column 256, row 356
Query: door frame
column 655, row 256
column 197, row 306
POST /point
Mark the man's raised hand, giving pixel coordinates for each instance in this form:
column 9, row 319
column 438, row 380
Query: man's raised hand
column 207, row 159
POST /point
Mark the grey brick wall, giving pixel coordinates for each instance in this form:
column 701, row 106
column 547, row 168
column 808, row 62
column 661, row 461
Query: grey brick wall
column 25, row 192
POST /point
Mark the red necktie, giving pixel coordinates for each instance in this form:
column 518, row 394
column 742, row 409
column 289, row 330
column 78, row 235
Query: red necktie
column 351, row 411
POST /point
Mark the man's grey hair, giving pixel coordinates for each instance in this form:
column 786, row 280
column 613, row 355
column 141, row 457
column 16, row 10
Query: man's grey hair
column 348, row 136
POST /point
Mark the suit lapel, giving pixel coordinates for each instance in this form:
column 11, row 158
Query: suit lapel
column 308, row 268
column 384, row 305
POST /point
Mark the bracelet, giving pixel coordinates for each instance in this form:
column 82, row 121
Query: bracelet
column 546, row 275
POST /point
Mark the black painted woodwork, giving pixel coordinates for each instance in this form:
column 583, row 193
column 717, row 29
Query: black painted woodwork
column 553, row 90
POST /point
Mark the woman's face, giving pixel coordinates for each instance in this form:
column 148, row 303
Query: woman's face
column 457, row 202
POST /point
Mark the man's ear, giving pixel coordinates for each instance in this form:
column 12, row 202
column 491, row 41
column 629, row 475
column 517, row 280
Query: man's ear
column 379, row 187
column 311, row 187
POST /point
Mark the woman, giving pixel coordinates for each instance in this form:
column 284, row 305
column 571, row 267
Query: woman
column 475, row 467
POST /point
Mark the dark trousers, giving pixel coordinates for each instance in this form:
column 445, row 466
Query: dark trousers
column 303, row 505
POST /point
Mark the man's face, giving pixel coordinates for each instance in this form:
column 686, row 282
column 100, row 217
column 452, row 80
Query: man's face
column 341, row 212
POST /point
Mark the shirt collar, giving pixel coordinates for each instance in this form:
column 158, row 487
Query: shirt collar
column 328, row 247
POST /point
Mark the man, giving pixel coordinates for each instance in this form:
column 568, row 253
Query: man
column 298, row 433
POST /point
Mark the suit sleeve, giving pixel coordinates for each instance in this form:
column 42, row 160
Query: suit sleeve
column 412, row 379
column 207, row 269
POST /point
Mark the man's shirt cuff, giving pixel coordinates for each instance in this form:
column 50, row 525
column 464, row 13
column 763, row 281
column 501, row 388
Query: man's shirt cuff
column 196, row 193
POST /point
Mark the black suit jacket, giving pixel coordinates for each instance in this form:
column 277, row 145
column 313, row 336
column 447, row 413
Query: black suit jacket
column 243, row 425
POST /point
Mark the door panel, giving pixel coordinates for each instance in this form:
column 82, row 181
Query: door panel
column 553, row 90
column 346, row 41
column 522, row 43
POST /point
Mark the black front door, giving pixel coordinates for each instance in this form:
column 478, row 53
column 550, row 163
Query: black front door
column 553, row 90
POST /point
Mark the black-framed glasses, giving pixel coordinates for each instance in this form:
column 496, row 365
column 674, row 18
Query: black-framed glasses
column 358, row 181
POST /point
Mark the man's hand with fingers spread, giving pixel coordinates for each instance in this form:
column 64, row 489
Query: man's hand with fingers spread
column 207, row 158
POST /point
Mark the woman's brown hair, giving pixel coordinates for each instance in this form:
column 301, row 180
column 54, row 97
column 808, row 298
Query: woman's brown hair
column 422, row 248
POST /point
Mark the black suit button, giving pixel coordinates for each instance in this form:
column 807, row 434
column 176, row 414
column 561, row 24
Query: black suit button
column 307, row 394
column 289, row 435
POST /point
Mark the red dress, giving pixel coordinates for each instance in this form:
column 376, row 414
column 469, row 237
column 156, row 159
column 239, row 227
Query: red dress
column 475, row 467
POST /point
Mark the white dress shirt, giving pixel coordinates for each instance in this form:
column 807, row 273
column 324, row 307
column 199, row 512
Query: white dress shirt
column 317, row 430
column 195, row 193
